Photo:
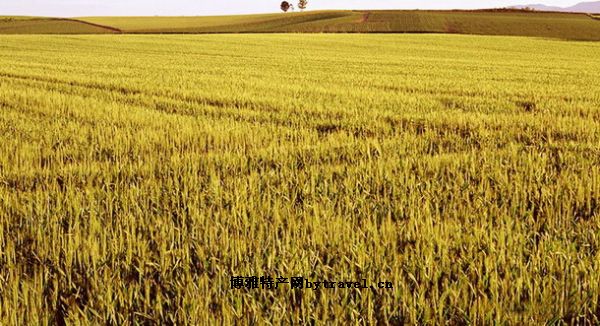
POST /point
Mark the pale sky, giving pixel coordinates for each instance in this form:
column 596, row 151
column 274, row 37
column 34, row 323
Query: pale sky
column 73, row 8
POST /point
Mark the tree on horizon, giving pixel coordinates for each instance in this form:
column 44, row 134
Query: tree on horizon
column 285, row 6
column 302, row 4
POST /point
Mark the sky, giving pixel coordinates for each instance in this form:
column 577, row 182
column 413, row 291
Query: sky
column 74, row 8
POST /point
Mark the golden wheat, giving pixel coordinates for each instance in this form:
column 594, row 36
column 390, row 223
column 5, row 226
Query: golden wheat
column 138, row 174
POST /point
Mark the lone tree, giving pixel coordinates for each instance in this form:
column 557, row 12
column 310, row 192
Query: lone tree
column 302, row 4
column 285, row 6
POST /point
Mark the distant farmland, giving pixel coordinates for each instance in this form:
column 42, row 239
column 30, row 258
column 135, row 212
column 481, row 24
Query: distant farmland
column 499, row 22
column 34, row 25
column 517, row 23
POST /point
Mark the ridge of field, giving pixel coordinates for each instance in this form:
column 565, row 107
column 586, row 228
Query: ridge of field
column 139, row 173
column 483, row 22
column 44, row 25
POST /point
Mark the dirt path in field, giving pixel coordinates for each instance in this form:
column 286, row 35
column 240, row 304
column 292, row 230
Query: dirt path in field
column 365, row 17
column 112, row 29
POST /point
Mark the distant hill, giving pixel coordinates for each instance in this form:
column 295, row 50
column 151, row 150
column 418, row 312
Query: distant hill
column 583, row 7
column 570, row 26
column 42, row 25
column 482, row 22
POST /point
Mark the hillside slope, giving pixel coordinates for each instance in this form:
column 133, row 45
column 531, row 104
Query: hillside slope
column 40, row 25
column 234, row 24
column 484, row 22
column 491, row 22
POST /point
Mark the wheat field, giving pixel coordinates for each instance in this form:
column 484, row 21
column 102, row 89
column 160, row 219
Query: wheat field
column 138, row 174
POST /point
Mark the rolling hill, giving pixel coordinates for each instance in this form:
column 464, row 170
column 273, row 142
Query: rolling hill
column 482, row 22
column 41, row 25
